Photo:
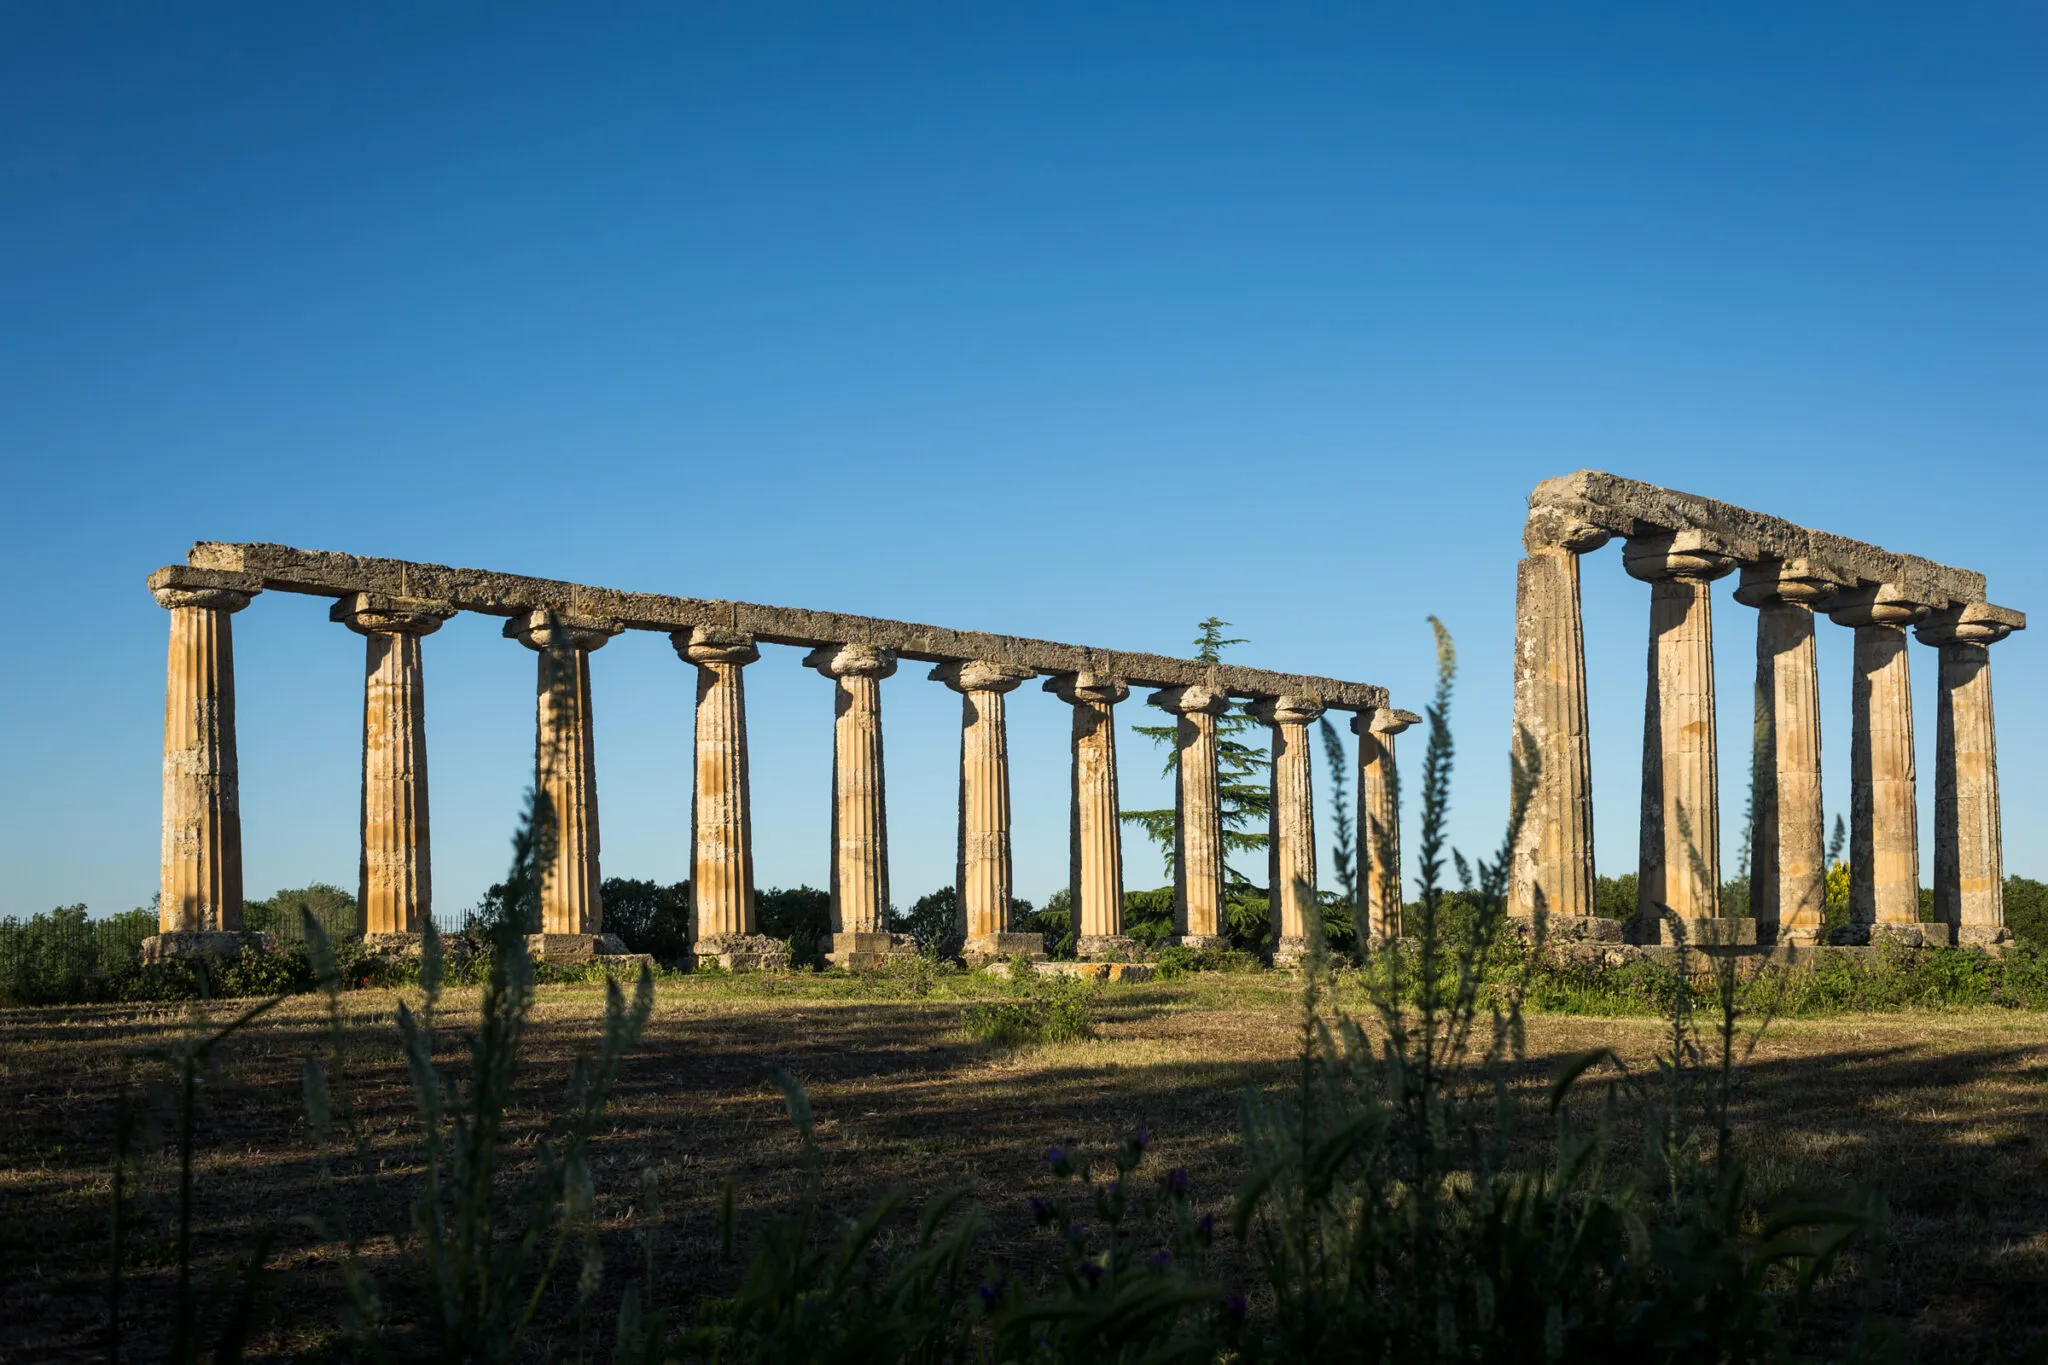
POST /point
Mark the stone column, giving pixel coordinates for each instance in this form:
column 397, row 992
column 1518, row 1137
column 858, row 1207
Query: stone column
column 1552, row 869
column 394, row 876
column 200, row 905
column 722, row 926
column 1788, row 855
column 1969, row 860
column 1291, row 842
column 1198, row 852
column 860, row 825
column 983, row 866
column 565, row 772
column 1379, row 820
column 1884, row 820
column 1680, row 861
column 1095, row 864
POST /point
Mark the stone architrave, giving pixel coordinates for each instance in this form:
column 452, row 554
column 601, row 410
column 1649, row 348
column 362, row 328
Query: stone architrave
column 1788, row 856
column 1095, row 864
column 1198, row 853
column 1552, row 867
column 1291, row 842
column 1969, row 859
column 983, row 875
column 860, row 823
column 722, row 925
column 200, row 903
column 565, row 772
column 394, row 876
column 1679, row 875
column 1884, row 821
column 1379, row 819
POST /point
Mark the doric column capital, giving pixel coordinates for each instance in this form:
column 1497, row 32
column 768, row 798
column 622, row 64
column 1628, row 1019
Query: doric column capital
column 979, row 675
column 535, row 628
column 1689, row 554
column 215, row 589
column 1189, row 700
column 1551, row 529
column 1096, row 689
column 1799, row 581
column 703, row 645
column 1970, row 623
column 1877, row 604
column 1383, row 721
column 368, row 613
column 852, row 661
column 1286, row 710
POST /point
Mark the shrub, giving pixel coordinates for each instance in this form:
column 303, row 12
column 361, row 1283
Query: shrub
column 648, row 917
column 1053, row 1009
column 332, row 908
column 802, row 917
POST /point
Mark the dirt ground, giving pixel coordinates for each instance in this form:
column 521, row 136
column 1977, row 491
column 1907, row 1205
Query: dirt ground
column 1946, row 1113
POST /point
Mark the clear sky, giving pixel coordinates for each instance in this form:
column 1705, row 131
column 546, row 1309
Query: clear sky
column 1075, row 321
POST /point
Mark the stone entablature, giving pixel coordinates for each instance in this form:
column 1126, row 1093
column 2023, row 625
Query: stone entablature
column 1680, row 544
column 395, row 604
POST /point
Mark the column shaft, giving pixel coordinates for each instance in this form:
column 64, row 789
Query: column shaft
column 566, row 773
column 1884, row 826
column 1379, row 820
column 1969, row 873
column 860, row 821
column 1291, row 845
column 1198, row 851
column 1787, row 875
column 201, row 889
column 395, row 878
column 1553, row 860
column 1095, row 862
column 1680, row 869
column 721, row 814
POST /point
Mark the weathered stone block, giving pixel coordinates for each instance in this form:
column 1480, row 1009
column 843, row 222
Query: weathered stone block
column 1106, row 948
column 1697, row 930
column 569, row 948
column 1982, row 935
column 741, row 952
column 1200, row 942
column 1289, row 952
column 1097, row 971
column 1567, row 928
column 983, row 949
column 203, row 943
column 1905, row 935
column 866, row 950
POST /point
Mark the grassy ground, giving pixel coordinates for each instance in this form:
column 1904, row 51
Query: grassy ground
column 1947, row 1112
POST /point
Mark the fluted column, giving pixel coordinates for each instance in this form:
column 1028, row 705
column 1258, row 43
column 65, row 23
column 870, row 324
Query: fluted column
column 394, row 875
column 1379, row 819
column 1198, row 853
column 1788, row 856
column 1679, row 873
column 1884, row 820
column 565, row 772
column 982, row 867
column 1095, row 864
column 860, row 823
column 1291, row 843
column 1552, row 868
column 200, row 905
column 1969, row 859
column 722, row 925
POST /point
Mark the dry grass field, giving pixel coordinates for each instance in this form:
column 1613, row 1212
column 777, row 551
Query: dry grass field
column 1946, row 1112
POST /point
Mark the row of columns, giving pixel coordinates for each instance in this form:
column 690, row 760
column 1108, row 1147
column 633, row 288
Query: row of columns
column 202, row 862
column 1679, row 869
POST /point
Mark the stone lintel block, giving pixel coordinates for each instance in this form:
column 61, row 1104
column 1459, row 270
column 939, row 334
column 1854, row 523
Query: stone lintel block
column 1106, row 948
column 1627, row 507
column 1969, row 623
column 324, row 573
column 741, row 952
column 983, row 949
column 198, row 580
column 577, row 947
column 1698, row 931
column 1568, row 928
column 1096, row 971
column 203, row 943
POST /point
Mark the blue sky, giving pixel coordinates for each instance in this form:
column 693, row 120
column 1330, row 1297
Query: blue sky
column 1081, row 322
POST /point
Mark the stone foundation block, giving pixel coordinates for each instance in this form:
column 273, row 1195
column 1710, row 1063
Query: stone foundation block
column 1568, row 928
column 1982, row 935
column 983, row 949
column 1289, row 952
column 394, row 945
column 1201, row 942
column 864, row 951
column 570, row 948
column 1106, row 948
column 1905, row 935
column 1697, row 931
column 1096, row 971
column 741, row 952
column 203, row 943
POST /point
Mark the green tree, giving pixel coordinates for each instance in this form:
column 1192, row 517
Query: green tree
column 1242, row 787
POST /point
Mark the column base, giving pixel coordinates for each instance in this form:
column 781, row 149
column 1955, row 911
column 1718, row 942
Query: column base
column 574, row 948
column 397, row 945
column 864, row 951
column 1289, row 953
column 1904, row 935
column 203, row 943
column 1200, row 942
column 1106, row 948
column 983, row 949
column 1568, row 928
column 1697, row 931
column 739, row 952
column 1982, row 935
column 1791, row 936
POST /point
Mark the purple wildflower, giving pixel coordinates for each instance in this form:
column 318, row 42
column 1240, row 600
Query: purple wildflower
column 1234, row 1307
column 1160, row 1259
column 1177, row 1180
column 1093, row 1272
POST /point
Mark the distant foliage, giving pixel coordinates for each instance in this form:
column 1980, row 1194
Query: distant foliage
column 800, row 916
column 1055, row 922
column 1615, row 897
column 332, row 908
column 64, row 958
column 1041, row 1009
column 648, row 916
column 2026, row 910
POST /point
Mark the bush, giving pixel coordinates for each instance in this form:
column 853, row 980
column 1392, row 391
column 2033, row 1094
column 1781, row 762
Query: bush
column 1043, row 1009
column 2026, row 910
column 331, row 907
column 65, row 958
column 1148, row 916
column 801, row 917
column 1055, row 922
column 648, row 917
